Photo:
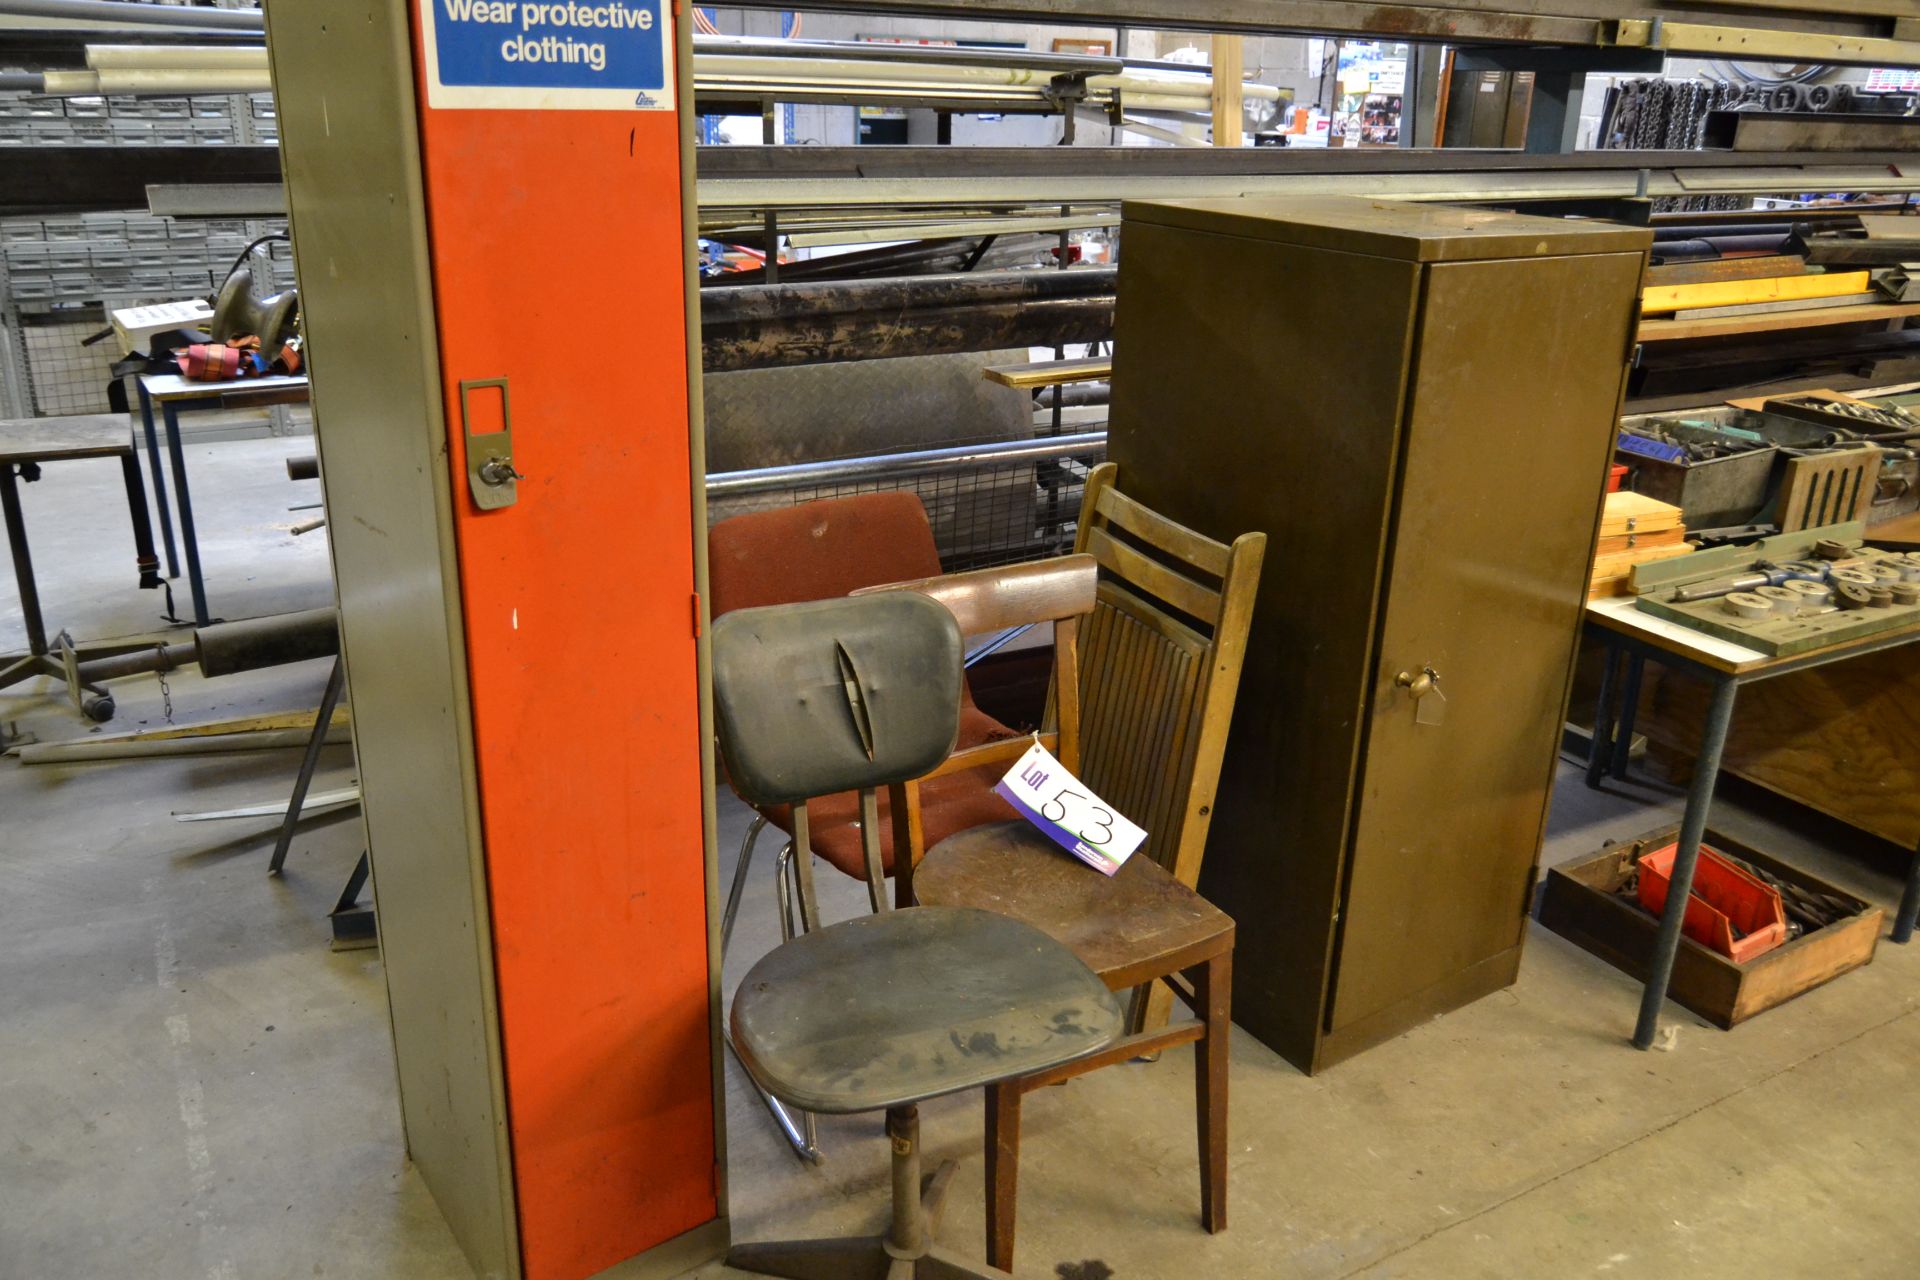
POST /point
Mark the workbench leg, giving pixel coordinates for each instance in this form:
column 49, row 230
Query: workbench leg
column 308, row 763
column 1693, row 828
column 1909, row 903
column 188, row 542
column 159, row 480
column 1622, row 744
column 22, row 561
column 1600, row 747
column 142, row 522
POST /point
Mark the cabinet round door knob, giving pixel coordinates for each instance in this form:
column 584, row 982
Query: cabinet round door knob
column 1418, row 683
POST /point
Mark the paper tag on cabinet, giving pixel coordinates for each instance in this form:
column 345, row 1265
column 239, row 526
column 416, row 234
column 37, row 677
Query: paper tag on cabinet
column 1067, row 811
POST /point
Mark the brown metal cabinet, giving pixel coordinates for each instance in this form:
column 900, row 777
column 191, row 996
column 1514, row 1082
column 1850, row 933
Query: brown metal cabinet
column 1417, row 404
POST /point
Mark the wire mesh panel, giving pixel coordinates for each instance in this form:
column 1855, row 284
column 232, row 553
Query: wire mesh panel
column 992, row 504
column 63, row 374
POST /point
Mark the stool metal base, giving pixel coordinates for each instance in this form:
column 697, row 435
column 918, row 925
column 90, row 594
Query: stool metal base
column 905, row 1252
column 62, row 663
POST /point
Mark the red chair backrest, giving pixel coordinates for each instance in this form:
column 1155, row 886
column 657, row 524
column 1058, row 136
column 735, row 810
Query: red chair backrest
column 818, row 550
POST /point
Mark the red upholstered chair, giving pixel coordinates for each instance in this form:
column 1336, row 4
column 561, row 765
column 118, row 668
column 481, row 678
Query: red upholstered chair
column 816, row 551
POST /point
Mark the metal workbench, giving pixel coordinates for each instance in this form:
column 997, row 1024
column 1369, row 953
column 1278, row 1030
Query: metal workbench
column 1630, row 638
column 176, row 395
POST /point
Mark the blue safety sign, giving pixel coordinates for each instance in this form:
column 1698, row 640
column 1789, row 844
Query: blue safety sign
column 548, row 54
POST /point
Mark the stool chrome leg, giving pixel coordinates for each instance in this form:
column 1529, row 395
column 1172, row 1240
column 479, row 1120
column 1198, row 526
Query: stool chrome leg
column 802, row 1137
column 803, row 1134
column 740, row 880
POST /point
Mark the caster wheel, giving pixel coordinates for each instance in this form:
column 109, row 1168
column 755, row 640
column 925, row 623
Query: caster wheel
column 98, row 710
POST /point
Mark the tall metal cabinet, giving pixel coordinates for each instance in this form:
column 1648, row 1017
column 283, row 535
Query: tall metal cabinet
column 1417, row 404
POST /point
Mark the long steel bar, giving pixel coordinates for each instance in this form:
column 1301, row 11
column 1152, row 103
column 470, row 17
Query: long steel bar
column 1693, row 829
column 1000, row 179
column 1909, row 904
column 949, row 194
column 976, row 163
column 931, row 331
column 118, row 11
column 746, row 303
column 1565, row 22
column 889, row 465
column 309, row 762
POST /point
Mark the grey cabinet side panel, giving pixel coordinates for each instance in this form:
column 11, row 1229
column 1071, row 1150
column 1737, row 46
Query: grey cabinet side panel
column 343, row 79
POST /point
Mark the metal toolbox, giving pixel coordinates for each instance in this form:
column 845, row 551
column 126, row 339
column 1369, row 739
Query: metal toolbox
column 1711, row 492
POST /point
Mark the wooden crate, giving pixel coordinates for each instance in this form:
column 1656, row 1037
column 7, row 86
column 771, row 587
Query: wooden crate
column 1828, row 488
column 1634, row 529
column 1582, row 905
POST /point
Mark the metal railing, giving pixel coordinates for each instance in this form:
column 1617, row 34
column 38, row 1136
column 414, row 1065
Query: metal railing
column 989, row 503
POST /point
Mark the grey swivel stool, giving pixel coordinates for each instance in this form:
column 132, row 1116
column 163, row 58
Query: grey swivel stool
column 885, row 1011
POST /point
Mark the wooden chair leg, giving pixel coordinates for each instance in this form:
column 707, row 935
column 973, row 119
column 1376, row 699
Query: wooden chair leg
column 1213, row 988
column 1003, row 1170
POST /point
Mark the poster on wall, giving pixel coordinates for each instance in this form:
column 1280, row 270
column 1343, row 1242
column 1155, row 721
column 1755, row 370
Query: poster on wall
column 1892, row 80
column 581, row 55
column 1373, row 80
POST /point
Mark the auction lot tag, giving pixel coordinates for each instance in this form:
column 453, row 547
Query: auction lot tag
column 1068, row 812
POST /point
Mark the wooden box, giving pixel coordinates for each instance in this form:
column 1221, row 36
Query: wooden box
column 1582, row 905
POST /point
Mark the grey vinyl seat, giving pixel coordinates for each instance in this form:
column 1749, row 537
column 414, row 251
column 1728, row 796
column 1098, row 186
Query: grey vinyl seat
column 888, row 1010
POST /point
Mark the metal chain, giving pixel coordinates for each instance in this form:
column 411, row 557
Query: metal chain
column 1671, row 115
column 166, row 692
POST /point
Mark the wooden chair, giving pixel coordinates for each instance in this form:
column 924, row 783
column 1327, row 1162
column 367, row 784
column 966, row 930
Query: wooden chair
column 1144, row 691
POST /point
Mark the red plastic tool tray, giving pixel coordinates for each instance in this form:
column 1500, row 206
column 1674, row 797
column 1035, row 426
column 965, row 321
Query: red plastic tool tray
column 1725, row 899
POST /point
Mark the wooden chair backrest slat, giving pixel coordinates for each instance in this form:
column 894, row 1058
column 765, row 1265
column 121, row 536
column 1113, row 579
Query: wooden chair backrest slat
column 1142, row 695
column 1150, row 526
column 1159, row 580
column 1160, row 666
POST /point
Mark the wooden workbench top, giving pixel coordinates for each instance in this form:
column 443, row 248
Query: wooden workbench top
column 1049, row 373
column 1621, row 614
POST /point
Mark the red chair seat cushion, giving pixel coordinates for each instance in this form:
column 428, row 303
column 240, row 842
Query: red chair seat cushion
column 948, row 805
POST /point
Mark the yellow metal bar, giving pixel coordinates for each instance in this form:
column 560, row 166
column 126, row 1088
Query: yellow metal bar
column 1764, row 43
column 1660, row 298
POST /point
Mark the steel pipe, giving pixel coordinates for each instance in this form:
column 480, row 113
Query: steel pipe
column 176, row 57
column 765, row 326
column 744, row 303
column 158, row 82
column 769, row 326
column 229, row 647
column 937, row 331
column 160, row 657
column 209, row 745
column 892, row 466
column 154, row 15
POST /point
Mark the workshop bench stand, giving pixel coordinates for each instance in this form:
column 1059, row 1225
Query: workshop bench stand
column 1630, row 637
column 25, row 445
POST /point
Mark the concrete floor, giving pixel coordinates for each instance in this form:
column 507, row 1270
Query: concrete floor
column 193, row 1085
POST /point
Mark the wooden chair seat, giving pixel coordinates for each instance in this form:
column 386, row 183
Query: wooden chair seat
column 1130, row 928
column 1135, row 927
